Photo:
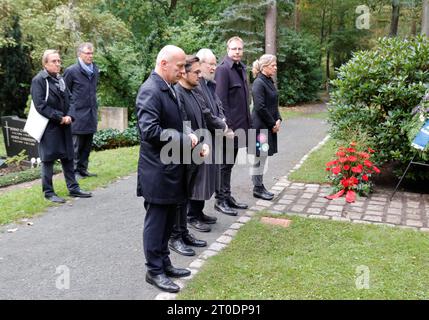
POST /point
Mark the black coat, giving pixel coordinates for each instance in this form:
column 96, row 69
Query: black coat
column 233, row 91
column 201, row 177
column 265, row 111
column 56, row 142
column 83, row 100
column 157, row 109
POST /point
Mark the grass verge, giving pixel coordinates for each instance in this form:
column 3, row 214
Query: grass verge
column 313, row 169
column 23, row 176
column 316, row 259
column 109, row 165
column 292, row 113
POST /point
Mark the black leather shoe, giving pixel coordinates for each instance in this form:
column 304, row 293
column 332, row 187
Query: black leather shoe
column 234, row 204
column 199, row 226
column 177, row 245
column 259, row 192
column 80, row 194
column 267, row 192
column 176, row 272
column 161, row 281
column 222, row 206
column 55, row 199
column 85, row 173
column 190, row 240
column 207, row 219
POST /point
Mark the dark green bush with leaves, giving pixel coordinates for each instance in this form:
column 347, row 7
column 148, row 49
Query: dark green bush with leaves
column 113, row 138
column 299, row 72
column 374, row 94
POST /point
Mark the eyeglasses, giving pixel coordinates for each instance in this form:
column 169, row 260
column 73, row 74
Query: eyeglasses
column 88, row 53
column 55, row 61
column 236, row 49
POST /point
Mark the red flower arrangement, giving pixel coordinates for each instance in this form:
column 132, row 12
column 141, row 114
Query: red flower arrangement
column 351, row 172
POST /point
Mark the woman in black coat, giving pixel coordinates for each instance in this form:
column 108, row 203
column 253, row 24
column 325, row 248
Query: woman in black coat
column 266, row 120
column 51, row 99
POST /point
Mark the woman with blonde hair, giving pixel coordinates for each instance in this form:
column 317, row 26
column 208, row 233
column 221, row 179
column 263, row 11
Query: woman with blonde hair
column 266, row 120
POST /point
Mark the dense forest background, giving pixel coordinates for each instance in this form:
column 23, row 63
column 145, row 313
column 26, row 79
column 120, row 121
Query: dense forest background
column 312, row 38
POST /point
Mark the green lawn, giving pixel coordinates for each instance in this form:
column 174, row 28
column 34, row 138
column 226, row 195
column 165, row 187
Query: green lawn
column 293, row 113
column 109, row 165
column 2, row 147
column 313, row 169
column 316, row 259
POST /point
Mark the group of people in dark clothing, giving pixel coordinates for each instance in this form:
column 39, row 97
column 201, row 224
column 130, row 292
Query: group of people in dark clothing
column 70, row 105
column 188, row 103
column 184, row 96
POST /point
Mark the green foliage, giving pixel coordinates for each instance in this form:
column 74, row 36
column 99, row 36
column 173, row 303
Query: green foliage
column 122, row 70
column 299, row 73
column 113, row 138
column 375, row 93
column 23, row 176
column 15, row 70
column 17, row 160
column 191, row 36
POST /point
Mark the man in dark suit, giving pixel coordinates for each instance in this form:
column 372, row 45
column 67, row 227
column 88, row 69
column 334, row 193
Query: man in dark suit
column 199, row 178
column 81, row 79
column 232, row 89
column 162, row 183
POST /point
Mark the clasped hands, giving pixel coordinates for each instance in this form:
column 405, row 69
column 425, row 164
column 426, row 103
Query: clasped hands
column 66, row 120
column 205, row 149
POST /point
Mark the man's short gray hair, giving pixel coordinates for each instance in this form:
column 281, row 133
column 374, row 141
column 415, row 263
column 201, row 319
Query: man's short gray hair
column 46, row 54
column 204, row 54
column 85, row 45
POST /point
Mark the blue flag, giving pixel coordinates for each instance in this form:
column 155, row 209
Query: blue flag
column 422, row 138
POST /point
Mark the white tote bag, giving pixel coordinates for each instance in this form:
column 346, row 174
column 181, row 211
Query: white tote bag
column 36, row 123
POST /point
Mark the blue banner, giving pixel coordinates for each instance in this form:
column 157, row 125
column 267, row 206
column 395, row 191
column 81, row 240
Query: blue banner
column 422, row 138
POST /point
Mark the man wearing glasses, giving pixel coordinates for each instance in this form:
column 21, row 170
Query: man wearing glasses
column 81, row 79
column 232, row 89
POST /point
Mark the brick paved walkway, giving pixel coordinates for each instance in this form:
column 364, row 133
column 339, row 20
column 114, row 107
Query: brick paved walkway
column 408, row 210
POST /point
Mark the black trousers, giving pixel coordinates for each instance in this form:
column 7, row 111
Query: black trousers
column 224, row 191
column 158, row 225
column 195, row 209
column 180, row 227
column 82, row 144
column 48, row 172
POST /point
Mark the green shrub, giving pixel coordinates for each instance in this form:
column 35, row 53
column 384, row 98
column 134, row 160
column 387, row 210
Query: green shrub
column 23, row 176
column 113, row 138
column 375, row 93
column 299, row 72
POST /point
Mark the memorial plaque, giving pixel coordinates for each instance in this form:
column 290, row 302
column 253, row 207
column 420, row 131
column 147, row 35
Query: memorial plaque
column 16, row 140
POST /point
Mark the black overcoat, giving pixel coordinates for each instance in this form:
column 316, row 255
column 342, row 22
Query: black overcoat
column 233, row 91
column 202, row 177
column 265, row 111
column 83, row 99
column 157, row 110
column 56, row 142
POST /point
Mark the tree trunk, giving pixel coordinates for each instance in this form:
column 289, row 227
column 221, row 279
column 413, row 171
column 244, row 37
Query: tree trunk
column 425, row 18
column 271, row 31
column 271, row 28
column 297, row 16
column 395, row 19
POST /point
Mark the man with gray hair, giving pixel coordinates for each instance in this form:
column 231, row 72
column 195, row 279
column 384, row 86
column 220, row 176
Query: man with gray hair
column 162, row 184
column 81, row 79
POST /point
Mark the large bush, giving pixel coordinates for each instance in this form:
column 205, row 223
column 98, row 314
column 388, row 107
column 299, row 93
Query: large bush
column 299, row 72
column 375, row 92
